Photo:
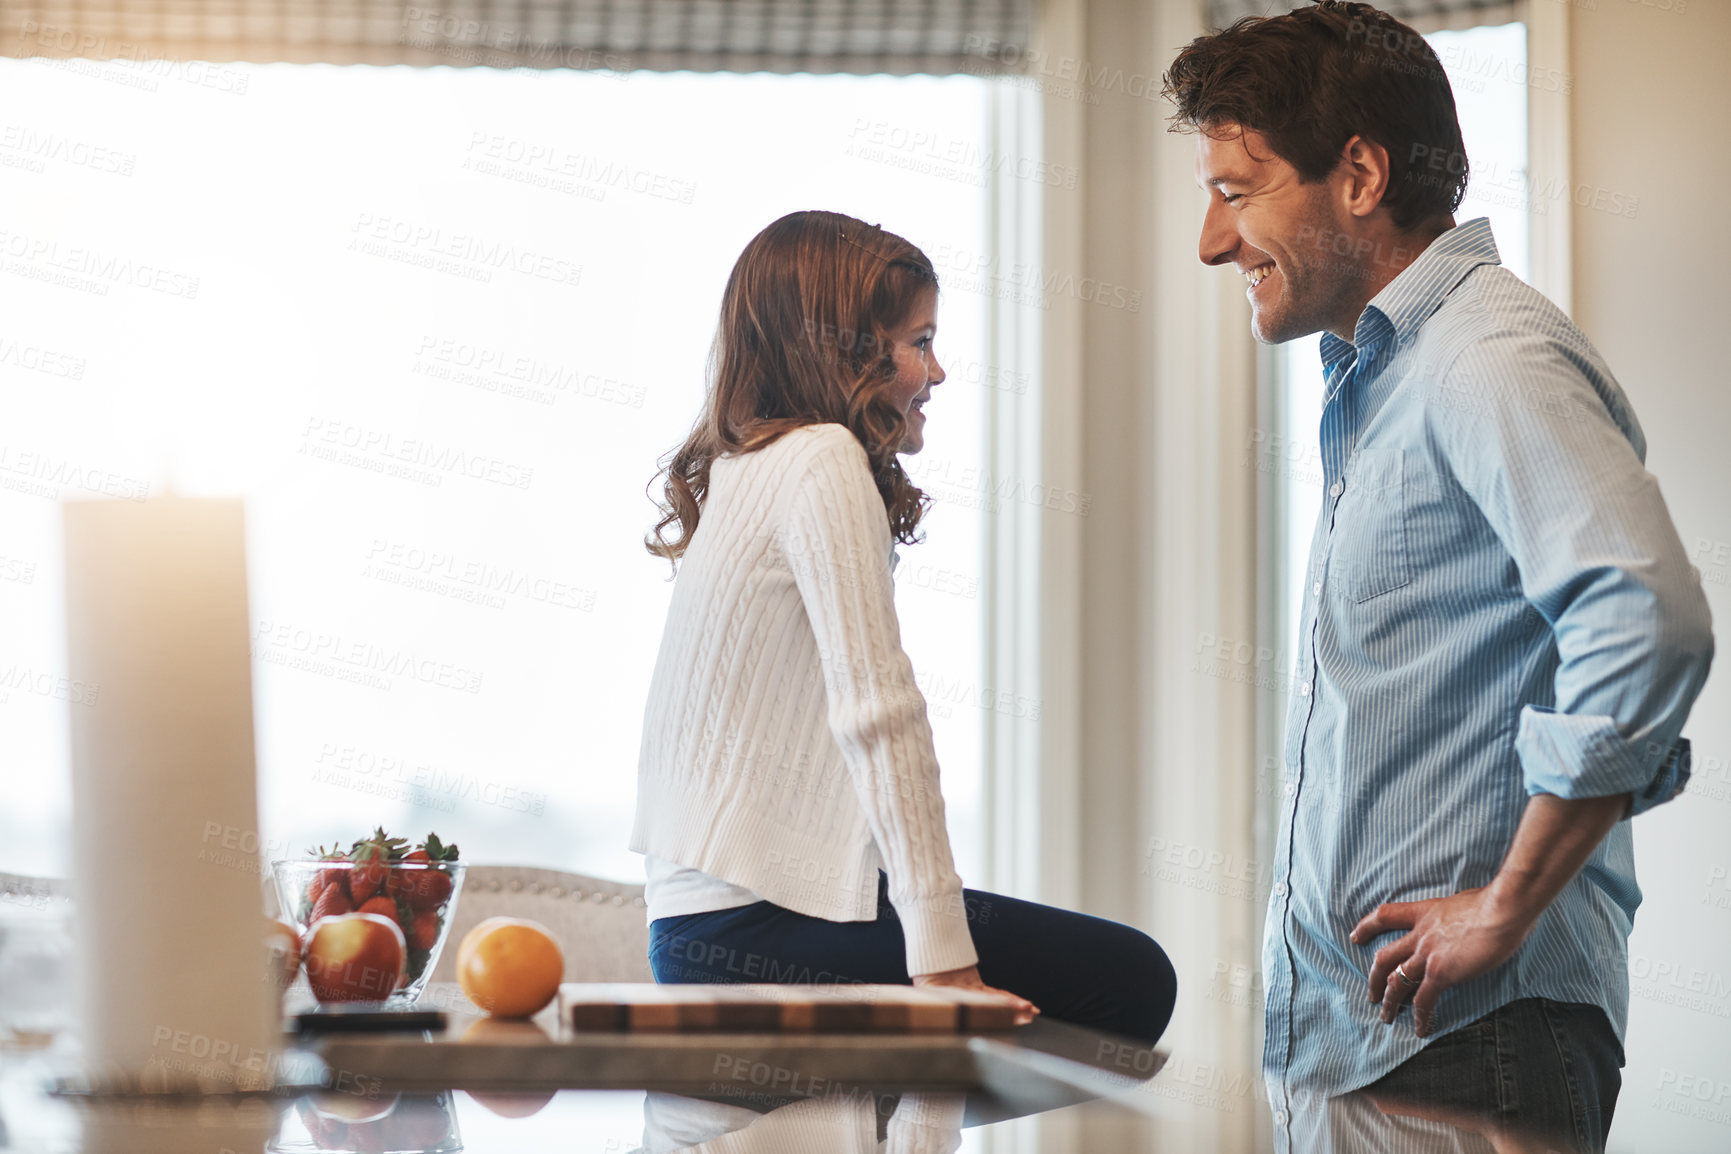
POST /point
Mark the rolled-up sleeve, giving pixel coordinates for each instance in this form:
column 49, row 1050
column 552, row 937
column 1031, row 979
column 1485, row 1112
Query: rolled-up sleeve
column 1563, row 485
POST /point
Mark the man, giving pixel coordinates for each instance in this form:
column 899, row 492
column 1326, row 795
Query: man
column 1501, row 636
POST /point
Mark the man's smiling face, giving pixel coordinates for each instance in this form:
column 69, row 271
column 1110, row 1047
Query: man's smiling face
column 1272, row 226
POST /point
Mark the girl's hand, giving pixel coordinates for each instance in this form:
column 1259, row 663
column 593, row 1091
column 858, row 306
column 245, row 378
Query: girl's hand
column 968, row 978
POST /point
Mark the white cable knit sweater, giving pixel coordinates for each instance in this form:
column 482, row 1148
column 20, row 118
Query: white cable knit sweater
column 785, row 744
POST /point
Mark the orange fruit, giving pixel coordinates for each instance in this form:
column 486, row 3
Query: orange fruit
column 512, row 1105
column 510, row 967
column 498, row 1031
column 505, row 1032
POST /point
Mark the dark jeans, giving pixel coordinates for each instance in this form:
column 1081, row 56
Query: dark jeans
column 1075, row 968
column 1547, row 1070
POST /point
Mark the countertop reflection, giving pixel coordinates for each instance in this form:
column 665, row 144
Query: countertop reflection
column 844, row 1119
column 1047, row 1077
column 858, row 1123
column 855, row 1121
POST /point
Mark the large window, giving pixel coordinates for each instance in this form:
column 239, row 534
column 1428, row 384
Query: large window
column 436, row 326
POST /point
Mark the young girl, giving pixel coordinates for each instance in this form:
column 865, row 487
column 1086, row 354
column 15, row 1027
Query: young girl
column 788, row 796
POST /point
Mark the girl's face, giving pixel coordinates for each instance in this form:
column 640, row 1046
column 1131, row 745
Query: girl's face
column 917, row 368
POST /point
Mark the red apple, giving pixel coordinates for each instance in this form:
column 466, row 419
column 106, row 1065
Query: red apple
column 284, row 946
column 355, row 957
column 327, row 1132
column 351, row 1108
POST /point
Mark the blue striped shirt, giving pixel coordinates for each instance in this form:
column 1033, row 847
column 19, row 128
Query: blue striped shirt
column 1496, row 605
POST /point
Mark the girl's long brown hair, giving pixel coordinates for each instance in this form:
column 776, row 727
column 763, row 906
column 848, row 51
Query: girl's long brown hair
column 803, row 340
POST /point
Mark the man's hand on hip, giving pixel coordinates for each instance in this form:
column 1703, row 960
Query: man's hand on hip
column 1457, row 938
column 1452, row 939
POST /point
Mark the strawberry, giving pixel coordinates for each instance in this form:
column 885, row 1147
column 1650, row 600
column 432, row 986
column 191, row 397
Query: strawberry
column 437, row 850
column 335, row 879
column 403, row 882
column 424, row 888
column 381, row 905
column 367, row 876
column 424, row 930
column 334, row 900
column 399, row 880
column 372, row 856
column 326, row 878
column 428, row 887
column 434, row 891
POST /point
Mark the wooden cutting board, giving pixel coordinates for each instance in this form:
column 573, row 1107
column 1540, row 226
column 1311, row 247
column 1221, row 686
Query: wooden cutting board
column 644, row 1007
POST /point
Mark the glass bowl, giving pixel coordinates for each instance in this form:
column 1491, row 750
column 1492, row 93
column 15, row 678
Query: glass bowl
column 423, row 896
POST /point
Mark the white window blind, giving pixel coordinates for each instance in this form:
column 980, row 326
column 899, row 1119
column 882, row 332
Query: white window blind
column 1424, row 15
column 855, row 36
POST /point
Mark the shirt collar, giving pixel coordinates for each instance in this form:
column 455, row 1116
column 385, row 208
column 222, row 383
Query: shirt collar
column 1408, row 300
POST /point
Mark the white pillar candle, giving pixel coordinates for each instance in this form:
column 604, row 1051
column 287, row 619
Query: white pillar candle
column 173, row 985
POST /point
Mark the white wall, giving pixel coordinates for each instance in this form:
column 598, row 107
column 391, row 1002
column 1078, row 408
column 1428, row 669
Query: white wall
column 1651, row 94
column 1155, row 399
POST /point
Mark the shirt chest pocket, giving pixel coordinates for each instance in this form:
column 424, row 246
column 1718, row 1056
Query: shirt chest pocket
column 1369, row 555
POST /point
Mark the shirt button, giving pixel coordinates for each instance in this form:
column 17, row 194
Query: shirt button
column 1317, row 589
column 1289, row 788
column 1279, row 889
column 1280, row 1117
column 1304, row 689
column 1337, row 489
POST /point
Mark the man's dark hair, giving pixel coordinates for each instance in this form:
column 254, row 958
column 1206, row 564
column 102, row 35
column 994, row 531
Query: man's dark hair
column 1312, row 79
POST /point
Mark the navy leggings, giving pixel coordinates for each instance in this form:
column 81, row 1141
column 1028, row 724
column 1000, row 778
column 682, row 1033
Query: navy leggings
column 1075, row 968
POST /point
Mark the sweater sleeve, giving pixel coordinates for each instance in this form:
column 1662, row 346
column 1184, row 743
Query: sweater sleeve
column 837, row 543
